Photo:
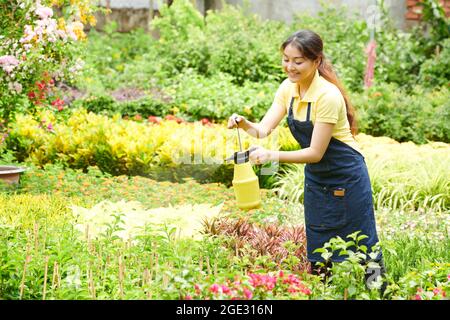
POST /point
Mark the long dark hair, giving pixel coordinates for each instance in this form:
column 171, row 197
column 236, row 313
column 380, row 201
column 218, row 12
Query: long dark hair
column 310, row 45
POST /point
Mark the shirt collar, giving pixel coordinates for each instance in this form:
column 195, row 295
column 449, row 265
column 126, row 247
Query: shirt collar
column 311, row 94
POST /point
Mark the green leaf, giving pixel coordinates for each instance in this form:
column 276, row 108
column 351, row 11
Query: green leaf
column 352, row 290
column 362, row 237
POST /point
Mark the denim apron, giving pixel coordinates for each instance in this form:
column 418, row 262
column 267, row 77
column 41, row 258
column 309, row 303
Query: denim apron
column 337, row 195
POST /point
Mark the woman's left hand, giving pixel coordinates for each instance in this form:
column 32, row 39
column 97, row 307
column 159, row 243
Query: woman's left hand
column 259, row 155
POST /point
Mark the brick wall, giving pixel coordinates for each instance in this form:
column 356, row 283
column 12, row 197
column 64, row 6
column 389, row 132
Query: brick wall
column 414, row 10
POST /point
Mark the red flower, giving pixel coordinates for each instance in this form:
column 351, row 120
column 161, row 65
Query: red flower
column 31, row 95
column 41, row 85
column 171, row 117
column 154, row 119
column 205, row 121
column 58, row 103
column 306, row 291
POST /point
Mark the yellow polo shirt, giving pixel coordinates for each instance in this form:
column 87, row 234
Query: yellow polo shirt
column 327, row 105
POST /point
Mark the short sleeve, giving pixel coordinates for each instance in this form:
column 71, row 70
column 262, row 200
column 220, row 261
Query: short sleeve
column 282, row 95
column 329, row 106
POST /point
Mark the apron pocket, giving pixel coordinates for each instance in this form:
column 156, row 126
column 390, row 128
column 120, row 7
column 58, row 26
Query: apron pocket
column 320, row 167
column 323, row 209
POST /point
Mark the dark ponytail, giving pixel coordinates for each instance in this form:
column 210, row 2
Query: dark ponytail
column 310, row 44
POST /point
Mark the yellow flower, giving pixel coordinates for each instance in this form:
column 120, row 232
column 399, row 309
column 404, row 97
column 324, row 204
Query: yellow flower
column 77, row 28
column 92, row 20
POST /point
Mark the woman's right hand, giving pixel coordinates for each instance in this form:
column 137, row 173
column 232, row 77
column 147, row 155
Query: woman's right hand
column 235, row 121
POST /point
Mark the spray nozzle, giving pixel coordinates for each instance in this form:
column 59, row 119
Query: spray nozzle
column 240, row 156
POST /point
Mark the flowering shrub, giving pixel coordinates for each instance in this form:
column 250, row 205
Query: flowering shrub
column 433, row 283
column 257, row 286
column 38, row 46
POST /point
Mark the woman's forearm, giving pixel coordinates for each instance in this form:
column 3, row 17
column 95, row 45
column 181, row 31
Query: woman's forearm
column 254, row 129
column 307, row 155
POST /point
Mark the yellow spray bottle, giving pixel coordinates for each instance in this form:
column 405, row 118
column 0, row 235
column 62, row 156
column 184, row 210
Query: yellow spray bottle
column 245, row 182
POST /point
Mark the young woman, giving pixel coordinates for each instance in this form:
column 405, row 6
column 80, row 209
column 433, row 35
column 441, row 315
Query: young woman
column 338, row 195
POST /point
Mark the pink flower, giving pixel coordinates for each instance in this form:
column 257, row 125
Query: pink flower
column 9, row 60
column 214, row 288
column 188, row 297
column 225, row 289
column 292, row 289
column 197, row 289
column 248, row 294
column 57, row 102
column 417, row 297
column 8, row 63
column 306, row 291
column 44, row 12
column 17, row 87
column 50, row 127
column 448, row 277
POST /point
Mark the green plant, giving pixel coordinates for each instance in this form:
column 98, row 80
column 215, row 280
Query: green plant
column 387, row 110
column 347, row 278
column 434, row 72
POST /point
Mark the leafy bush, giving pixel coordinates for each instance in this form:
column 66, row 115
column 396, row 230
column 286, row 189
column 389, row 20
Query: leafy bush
column 229, row 40
column 217, row 97
column 182, row 39
column 243, row 45
column 435, row 71
column 112, row 59
column 387, row 110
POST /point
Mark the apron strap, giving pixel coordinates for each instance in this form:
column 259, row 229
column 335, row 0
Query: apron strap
column 290, row 108
column 308, row 112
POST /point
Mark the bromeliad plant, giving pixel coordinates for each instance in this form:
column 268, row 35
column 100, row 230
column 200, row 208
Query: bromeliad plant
column 269, row 245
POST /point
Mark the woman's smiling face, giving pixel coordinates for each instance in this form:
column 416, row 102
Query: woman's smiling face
column 297, row 67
